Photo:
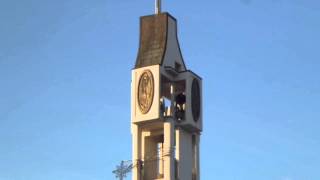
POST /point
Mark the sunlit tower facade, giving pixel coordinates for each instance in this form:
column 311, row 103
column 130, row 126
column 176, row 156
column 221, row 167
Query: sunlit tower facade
column 166, row 105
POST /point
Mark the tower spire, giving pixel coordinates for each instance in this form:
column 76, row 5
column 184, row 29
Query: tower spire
column 157, row 6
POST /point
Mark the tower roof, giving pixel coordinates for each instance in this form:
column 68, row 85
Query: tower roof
column 153, row 39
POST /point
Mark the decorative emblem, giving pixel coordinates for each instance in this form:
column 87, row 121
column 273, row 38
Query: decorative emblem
column 145, row 91
column 195, row 99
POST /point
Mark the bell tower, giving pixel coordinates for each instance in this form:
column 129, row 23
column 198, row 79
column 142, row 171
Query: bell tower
column 166, row 105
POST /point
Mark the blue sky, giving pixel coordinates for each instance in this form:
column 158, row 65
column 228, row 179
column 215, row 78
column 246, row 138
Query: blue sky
column 65, row 70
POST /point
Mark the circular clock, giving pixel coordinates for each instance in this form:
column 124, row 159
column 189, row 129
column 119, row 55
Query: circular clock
column 145, row 91
column 195, row 99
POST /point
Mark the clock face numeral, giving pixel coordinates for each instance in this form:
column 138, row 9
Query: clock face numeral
column 195, row 99
column 145, row 91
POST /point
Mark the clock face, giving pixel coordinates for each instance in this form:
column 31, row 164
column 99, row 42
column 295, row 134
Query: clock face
column 195, row 99
column 145, row 91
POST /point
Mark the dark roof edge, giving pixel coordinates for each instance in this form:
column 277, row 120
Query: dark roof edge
column 177, row 39
column 166, row 41
column 161, row 13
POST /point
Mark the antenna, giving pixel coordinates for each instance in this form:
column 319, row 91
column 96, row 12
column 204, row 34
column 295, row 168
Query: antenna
column 157, row 6
column 123, row 169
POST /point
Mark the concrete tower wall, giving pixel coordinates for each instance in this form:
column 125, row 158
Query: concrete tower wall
column 165, row 132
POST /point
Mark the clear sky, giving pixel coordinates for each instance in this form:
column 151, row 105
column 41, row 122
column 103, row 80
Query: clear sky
column 65, row 70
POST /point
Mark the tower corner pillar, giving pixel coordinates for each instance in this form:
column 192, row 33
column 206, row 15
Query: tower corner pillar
column 136, row 148
column 168, row 155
